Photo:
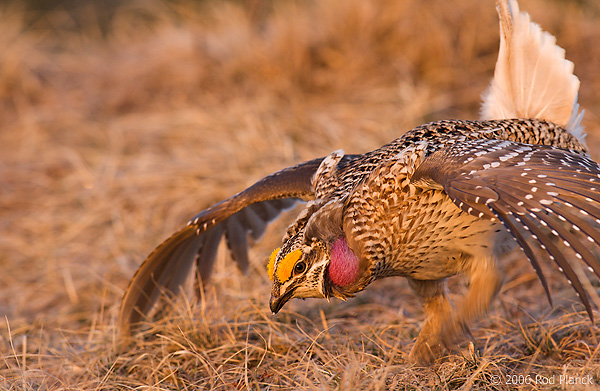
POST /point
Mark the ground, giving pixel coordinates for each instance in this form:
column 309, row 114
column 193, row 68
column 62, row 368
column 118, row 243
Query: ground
column 117, row 125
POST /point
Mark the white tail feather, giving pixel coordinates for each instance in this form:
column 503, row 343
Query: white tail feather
column 532, row 78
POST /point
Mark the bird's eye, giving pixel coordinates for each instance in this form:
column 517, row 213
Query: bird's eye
column 300, row 268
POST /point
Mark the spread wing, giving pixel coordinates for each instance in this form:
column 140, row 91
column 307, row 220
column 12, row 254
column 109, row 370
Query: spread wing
column 542, row 193
column 243, row 215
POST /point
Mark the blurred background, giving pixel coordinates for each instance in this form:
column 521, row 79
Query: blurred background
column 119, row 120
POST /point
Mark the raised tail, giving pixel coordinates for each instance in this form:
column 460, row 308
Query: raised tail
column 532, row 78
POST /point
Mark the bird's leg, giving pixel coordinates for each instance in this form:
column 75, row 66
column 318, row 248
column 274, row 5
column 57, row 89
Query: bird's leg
column 438, row 311
column 442, row 324
column 485, row 281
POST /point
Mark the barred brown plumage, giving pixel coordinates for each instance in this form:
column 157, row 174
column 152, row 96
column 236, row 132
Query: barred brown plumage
column 448, row 197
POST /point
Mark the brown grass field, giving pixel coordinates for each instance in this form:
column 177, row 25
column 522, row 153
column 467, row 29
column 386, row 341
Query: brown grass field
column 115, row 130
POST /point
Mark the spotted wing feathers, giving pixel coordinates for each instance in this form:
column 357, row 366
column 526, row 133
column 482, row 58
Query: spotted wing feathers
column 542, row 193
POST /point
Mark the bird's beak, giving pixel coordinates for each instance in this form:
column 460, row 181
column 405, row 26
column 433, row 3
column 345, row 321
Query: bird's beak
column 277, row 302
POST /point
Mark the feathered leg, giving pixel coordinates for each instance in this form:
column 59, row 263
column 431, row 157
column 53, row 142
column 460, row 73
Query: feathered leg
column 438, row 311
column 444, row 325
column 485, row 281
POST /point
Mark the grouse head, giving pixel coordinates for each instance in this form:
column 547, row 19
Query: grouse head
column 316, row 261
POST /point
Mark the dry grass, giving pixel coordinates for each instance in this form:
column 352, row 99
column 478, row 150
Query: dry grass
column 112, row 137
